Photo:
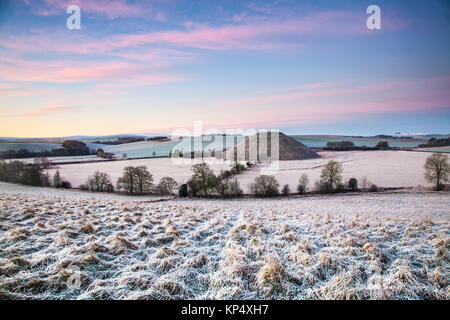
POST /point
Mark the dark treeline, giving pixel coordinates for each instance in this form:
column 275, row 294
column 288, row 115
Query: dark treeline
column 124, row 140
column 134, row 181
column 204, row 183
column 121, row 140
column 384, row 136
column 434, row 142
column 69, row 148
column 19, row 172
column 349, row 145
column 30, row 174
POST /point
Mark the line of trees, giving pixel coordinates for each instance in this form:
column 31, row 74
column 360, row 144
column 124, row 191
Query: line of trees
column 139, row 181
column 19, row 172
column 435, row 142
column 349, row 145
column 98, row 182
column 30, row 174
column 330, row 182
column 340, row 145
column 437, row 171
column 68, row 148
column 204, row 183
column 134, row 181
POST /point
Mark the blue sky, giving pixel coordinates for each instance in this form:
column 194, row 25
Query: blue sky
column 304, row 67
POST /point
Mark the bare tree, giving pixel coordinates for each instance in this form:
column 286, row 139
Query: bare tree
column 57, row 179
column 437, row 169
column 229, row 189
column 303, row 184
column 331, row 175
column 127, row 181
column 15, row 170
column 135, row 180
column 166, row 186
column 99, row 182
column 203, row 181
column 365, row 183
column 265, row 186
column 144, row 179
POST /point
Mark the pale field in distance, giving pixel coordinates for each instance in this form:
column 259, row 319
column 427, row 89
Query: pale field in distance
column 159, row 167
column 372, row 246
column 384, row 168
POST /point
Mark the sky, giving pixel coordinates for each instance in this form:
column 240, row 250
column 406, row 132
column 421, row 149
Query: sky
column 301, row 66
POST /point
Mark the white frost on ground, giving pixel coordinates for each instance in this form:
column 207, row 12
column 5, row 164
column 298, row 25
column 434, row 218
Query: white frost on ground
column 373, row 246
column 56, row 160
column 384, row 168
column 11, row 188
column 159, row 167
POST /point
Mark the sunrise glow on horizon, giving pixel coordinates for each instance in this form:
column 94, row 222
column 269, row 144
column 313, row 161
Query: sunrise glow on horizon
column 309, row 67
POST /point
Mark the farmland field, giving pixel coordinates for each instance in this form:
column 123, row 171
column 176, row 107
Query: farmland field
column 55, row 160
column 378, row 246
column 77, row 174
column 155, row 148
column 437, row 149
column 321, row 141
column 138, row 149
column 205, row 143
column 141, row 149
column 384, row 168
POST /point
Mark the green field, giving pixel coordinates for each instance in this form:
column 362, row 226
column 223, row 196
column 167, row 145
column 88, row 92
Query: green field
column 152, row 148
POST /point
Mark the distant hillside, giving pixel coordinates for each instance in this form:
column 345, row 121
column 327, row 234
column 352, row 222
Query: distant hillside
column 289, row 149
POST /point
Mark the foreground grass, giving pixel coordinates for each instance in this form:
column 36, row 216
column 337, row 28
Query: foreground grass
column 360, row 247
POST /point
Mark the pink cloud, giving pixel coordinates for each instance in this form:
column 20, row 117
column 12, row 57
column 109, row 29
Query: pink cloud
column 110, row 9
column 259, row 35
column 254, row 35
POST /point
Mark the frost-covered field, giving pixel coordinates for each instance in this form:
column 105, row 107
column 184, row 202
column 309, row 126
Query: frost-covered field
column 384, row 168
column 159, row 167
column 141, row 149
column 377, row 246
column 56, row 160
